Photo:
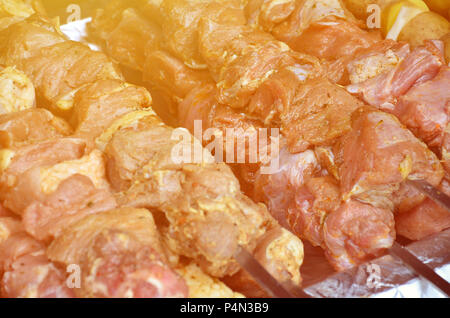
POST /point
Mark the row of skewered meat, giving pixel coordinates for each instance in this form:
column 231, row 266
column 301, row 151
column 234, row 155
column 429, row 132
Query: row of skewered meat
column 87, row 176
column 77, row 189
column 358, row 115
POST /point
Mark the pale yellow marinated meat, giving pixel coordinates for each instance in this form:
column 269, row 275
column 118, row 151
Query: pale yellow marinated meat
column 32, row 125
column 91, row 176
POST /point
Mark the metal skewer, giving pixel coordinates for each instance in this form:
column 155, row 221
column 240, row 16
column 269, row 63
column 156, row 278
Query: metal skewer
column 419, row 267
column 434, row 194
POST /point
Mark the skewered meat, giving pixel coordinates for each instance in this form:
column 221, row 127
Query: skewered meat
column 202, row 202
column 16, row 91
column 13, row 11
column 17, row 161
column 268, row 102
column 276, row 249
column 200, row 210
column 280, row 252
column 173, row 75
column 334, row 38
column 378, row 155
column 325, row 29
column 119, row 255
column 252, row 218
column 25, row 39
column 58, row 71
column 98, row 105
column 290, row 18
column 57, row 67
column 201, row 105
column 52, row 170
column 30, row 126
column 241, row 59
column 368, row 63
column 318, row 198
column 147, row 176
column 74, row 198
column 324, row 111
column 50, row 197
column 266, row 80
column 180, row 20
column 130, row 48
column 278, row 190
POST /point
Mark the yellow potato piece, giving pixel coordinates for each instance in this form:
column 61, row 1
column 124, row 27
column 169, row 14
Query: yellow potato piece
column 425, row 26
column 392, row 11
